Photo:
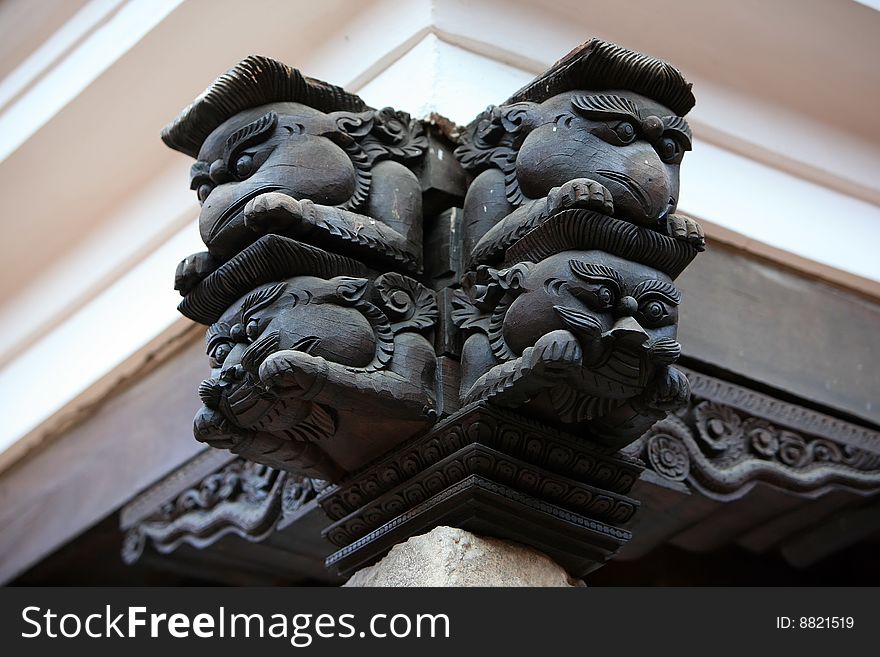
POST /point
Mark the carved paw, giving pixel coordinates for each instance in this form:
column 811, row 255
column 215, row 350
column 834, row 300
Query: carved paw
column 210, row 427
column 671, row 390
column 580, row 193
column 272, row 212
column 192, row 270
column 555, row 353
column 687, row 229
column 293, row 374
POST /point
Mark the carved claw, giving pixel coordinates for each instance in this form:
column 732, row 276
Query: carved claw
column 294, row 373
column 210, row 427
column 192, row 270
column 687, row 229
column 554, row 354
column 671, row 390
column 580, row 193
column 273, row 211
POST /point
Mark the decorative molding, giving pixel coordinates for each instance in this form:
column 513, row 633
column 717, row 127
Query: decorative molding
column 729, row 438
column 498, row 429
column 202, row 465
column 480, row 505
column 479, row 460
column 489, row 471
column 242, row 498
column 791, row 415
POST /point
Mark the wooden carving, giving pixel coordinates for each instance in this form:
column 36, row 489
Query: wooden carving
column 277, row 152
column 572, row 241
column 602, row 129
column 242, row 498
column 728, row 438
column 311, row 214
column 331, row 355
column 301, row 365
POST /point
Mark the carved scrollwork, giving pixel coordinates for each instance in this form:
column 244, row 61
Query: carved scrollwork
column 720, row 428
column 242, row 498
column 410, row 304
column 492, row 140
column 395, row 135
column 249, row 482
column 472, row 306
column 484, row 300
column 723, row 453
column 296, row 493
column 371, row 136
column 487, row 142
column 725, row 431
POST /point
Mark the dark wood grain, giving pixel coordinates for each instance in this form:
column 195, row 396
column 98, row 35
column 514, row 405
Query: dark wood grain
column 802, row 337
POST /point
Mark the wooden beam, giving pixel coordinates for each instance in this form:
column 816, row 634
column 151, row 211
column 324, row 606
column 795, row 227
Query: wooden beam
column 841, row 531
column 772, row 326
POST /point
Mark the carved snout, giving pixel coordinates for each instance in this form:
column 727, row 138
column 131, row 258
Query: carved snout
column 641, row 187
column 626, row 333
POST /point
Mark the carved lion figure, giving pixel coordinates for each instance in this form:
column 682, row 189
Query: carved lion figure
column 277, row 152
column 297, row 365
column 603, row 129
column 578, row 328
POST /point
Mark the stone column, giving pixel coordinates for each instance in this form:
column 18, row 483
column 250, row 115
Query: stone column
column 447, row 556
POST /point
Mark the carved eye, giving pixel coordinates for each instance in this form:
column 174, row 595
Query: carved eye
column 653, row 312
column 669, row 150
column 626, row 131
column 203, row 190
column 605, row 296
column 600, row 297
column 616, row 134
column 252, row 330
column 244, row 166
column 221, row 351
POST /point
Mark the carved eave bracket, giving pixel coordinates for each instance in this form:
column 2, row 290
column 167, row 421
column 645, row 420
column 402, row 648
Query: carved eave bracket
column 351, row 308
